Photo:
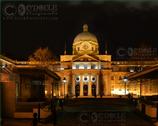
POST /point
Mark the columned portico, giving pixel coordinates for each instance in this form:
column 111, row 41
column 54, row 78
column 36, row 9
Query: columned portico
column 97, row 86
column 86, row 67
column 73, row 85
column 85, row 85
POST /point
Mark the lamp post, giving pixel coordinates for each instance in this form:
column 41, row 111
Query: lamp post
column 2, row 66
column 64, row 80
column 125, row 79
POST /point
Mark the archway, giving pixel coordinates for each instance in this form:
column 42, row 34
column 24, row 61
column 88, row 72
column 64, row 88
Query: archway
column 77, row 90
column 93, row 90
column 85, row 90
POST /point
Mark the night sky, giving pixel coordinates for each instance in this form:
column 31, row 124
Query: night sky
column 116, row 24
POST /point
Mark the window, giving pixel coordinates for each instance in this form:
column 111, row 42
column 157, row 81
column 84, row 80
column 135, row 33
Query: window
column 78, row 79
column 37, row 89
column 93, row 66
column 85, row 66
column 92, row 48
column 93, row 79
column 131, row 70
column 85, row 78
column 77, row 66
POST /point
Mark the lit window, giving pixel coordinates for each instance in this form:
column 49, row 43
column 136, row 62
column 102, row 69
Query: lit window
column 81, row 67
column 88, row 66
column 85, row 66
column 131, row 70
column 62, row 68
column 73, row 67
column 77, row 66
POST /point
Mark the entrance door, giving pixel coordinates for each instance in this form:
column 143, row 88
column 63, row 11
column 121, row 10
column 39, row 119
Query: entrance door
column 94, row 90
column 37, row 90
column 85, row 90
column 77, row 90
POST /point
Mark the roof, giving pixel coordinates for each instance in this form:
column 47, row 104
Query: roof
column 87, row 56
column 85, row 36
column 35, row 69
column 149, row 72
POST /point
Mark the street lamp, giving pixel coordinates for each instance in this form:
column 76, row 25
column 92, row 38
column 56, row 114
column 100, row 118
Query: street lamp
column 125, row 79
column 64, row 80
column 2, row 66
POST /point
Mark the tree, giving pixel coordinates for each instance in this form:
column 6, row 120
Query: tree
column 42, row 55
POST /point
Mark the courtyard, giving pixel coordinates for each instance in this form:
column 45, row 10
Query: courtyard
column 92, row 112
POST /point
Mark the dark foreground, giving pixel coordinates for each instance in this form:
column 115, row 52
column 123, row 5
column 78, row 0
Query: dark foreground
column 93, row 112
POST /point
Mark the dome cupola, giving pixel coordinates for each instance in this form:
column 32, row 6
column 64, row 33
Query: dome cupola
column 85, row 42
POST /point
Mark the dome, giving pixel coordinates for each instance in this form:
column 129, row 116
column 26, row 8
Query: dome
column 85, row 36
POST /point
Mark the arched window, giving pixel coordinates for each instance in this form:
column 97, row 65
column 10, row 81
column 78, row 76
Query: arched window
column 92, row 48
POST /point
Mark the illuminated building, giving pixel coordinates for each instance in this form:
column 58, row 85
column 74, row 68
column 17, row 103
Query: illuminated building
column 24, row 86
column 89, row 73
column 85, row 73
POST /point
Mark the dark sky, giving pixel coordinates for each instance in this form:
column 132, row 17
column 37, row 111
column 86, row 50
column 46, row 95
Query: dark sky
column 118, row 24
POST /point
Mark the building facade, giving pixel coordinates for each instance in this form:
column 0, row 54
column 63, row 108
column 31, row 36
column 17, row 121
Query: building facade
column 23, row 86
column 87, row 73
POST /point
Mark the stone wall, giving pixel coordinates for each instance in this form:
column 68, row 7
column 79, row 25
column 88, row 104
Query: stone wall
column 8, row 98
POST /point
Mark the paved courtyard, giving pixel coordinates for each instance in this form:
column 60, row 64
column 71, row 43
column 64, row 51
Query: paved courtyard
column 94, row 112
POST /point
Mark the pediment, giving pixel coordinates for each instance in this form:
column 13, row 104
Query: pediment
column 85, row 57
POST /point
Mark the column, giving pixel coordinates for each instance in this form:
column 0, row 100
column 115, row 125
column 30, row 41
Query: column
column 73, row 85
column 89, row 87
column 66, row 86
column 81, row 86
column 105, row 85
column 62, row 90
column 97, row 85
column 108, row 83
